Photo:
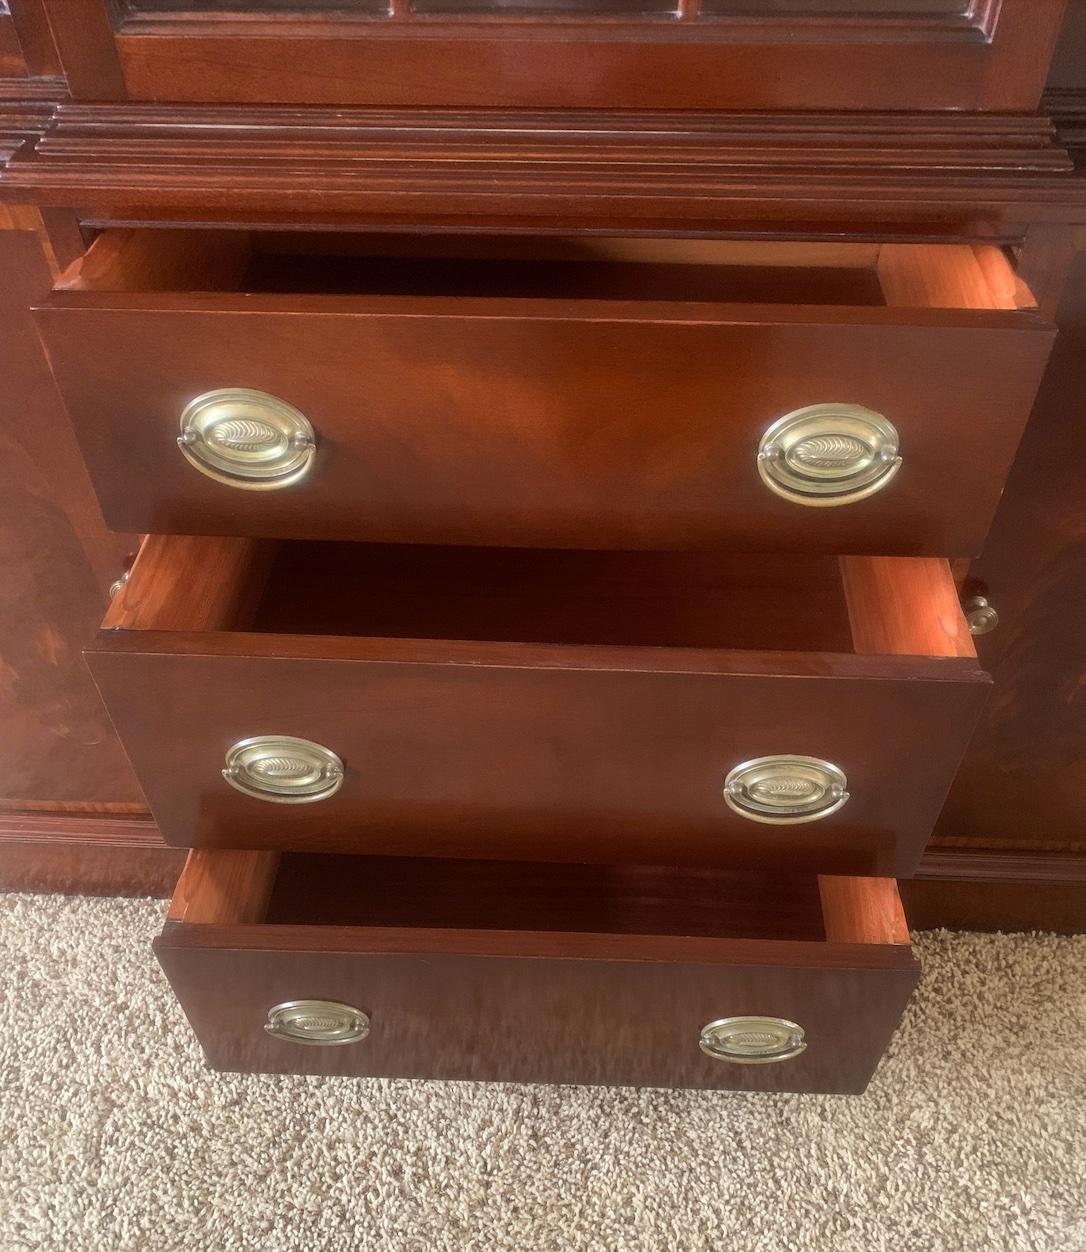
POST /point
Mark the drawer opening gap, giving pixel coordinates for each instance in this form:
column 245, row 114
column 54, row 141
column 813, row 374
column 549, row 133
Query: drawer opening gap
column 649, row 599
column 220, row 887
column 310, row 889
column 956, row 276
column 869, row 606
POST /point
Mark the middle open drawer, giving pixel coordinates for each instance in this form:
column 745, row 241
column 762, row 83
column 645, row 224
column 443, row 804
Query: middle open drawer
column 578, row 706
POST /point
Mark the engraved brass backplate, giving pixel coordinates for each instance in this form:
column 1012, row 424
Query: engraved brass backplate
column 829, row 454
column 752, row 1040
column 785, row 789
column 247, row 439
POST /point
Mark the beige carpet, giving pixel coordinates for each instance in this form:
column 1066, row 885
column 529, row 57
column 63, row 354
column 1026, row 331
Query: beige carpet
column 972, row 1137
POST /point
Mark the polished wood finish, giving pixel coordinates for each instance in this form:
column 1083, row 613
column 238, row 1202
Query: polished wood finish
column 11, row 53
column 38, row 51
column 57, row 559
column 568, row 421
column 75, row 865
column 1022, row 783
column 985, row 177
column 862, row 910
column 988, row 905
column 84, row 852
column 84, row 40
column 177, row 585
column 234, row 887
column 994, row 59
column 904, row 608
column 624, row 599
column 945, row 277
column 1001, row 178
column 605, row 1004
column 608, row 750
column 434, row 894
column 974, row 864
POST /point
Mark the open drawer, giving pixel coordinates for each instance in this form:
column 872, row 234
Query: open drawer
column 600, row 393
column 537, row 973
column 610, row 707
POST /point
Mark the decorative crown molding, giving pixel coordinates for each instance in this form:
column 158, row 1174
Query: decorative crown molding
column 981, row 175
column 27, row 106
column 1068, row 109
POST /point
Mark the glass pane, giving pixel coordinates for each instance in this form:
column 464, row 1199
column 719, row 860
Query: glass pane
column 573, row 8
column 837, row 8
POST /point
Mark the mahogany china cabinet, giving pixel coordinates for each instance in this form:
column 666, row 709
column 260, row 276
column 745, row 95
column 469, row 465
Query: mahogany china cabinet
column 543, row 522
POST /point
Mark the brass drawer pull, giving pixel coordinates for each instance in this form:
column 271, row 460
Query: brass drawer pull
column 283, row 770
column 785, row 789
column 318, row 1023
column 247, row 439
column 752, row 1040
column 829, row 454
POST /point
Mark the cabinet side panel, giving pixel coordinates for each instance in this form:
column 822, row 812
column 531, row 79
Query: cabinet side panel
column 1023, row 783
column 58, row 750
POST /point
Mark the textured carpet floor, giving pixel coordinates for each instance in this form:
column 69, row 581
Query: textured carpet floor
column 972, row 1138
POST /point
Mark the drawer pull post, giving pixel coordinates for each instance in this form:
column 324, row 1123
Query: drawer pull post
column 283, row 770
column 317, row 1023
column 247, row 439
column 829, row 454
column 980, row 616
column 785, row 790
column 752, row 1040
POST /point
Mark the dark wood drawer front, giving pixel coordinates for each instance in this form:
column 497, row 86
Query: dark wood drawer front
column 528, row 749
column 550, row 423
column 615, row 1007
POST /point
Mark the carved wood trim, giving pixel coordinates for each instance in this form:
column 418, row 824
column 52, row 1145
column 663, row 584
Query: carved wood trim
column 898, row 176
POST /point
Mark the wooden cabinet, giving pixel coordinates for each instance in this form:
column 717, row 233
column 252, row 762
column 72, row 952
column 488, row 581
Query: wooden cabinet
column 572, row 54
column 554, row 429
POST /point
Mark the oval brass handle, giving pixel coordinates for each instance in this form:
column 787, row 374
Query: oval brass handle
column 785, row 790
column 247, row 439
column 318, row 1023
column 829, row 454
column 752, row 1040
column 283, row 770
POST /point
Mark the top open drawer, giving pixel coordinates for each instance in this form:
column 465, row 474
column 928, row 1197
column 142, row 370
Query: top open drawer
column 607, row 393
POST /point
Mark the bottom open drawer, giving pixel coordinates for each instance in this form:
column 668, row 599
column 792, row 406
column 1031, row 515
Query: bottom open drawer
column 618, row 975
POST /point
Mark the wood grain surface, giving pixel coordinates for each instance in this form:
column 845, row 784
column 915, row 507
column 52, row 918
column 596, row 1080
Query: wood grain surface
column 57, row 744
column 995, row 58
column 569, row 745
column 548, row 422
column 1023, row 781
column 608, row 1005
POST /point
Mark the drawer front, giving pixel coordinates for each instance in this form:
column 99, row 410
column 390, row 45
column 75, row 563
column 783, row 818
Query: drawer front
column 603, row 430
column 568, row 1020
column 618, row 1005
column 530, row 752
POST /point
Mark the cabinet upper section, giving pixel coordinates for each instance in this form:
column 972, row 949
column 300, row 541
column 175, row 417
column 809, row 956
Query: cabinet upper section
column 577, row 54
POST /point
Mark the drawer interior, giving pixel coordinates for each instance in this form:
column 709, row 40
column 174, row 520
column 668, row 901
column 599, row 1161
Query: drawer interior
column 894, row 275
column 223, row 887
column 905, row 606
